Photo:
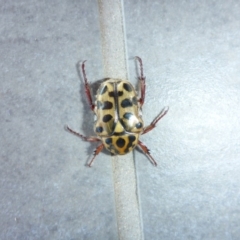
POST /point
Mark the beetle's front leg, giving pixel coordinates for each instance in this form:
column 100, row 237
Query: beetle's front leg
column 154, row 122
column 141, row 79
column 87, row 87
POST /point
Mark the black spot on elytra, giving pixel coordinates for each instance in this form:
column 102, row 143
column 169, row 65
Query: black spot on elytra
column 107, row 118
column 126, row 103
column 138, row 125
column 108, row 141
column 127, row 87
column 127, row 115
column 120, row 142
column 106, row 105
column 131, row 139
column 103, row 90
column 111, row 94
column 99, row 129
column 120, row 93
column 134, row 101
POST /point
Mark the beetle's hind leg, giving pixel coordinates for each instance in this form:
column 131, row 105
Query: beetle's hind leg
column 146, row 151
column 87, row 87
column 141, row 79
column 154, row 122
column 96, row 152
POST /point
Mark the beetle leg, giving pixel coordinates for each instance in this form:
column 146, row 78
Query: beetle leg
column 141, row 81
column 96, row 152
column 154, row 122
column 87, row 87
column 146, row 151
column 88, row 139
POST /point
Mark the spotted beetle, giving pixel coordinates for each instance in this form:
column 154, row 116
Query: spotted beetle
column 118, row 113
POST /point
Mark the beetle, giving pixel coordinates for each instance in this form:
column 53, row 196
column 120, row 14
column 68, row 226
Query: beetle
column 118, row 111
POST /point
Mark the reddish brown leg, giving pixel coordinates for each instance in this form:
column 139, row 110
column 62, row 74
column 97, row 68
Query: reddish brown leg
column 141, row 81
column 146, row 151
column 96, row 152
column 88, row 139
column 154, row 122
column 87, row 87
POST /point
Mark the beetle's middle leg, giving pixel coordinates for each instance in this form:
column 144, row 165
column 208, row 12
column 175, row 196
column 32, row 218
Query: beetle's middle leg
column 142, row 84
column 88, row 139
column 154, row 122
column 87, row 87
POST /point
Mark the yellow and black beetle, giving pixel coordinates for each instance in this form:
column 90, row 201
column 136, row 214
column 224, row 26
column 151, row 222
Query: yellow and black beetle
column 118, row 113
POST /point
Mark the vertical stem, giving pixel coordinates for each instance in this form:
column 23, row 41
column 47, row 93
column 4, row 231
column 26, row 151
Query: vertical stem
column 113, row 38
column 114, row 59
